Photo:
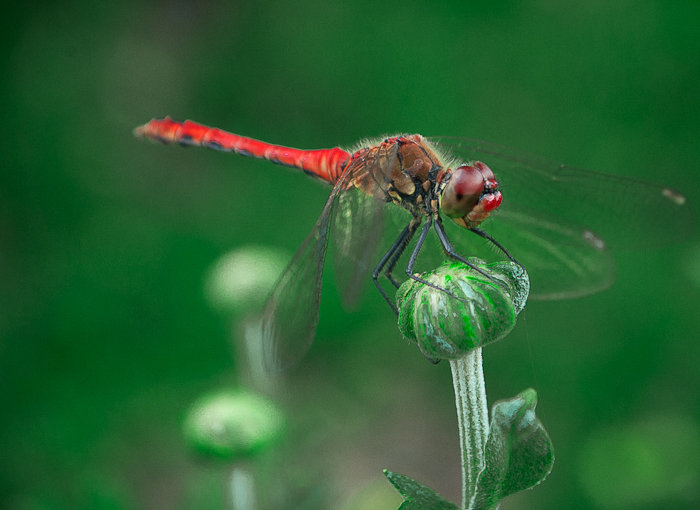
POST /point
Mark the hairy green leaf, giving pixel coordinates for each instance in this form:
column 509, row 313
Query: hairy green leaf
column 417, row 496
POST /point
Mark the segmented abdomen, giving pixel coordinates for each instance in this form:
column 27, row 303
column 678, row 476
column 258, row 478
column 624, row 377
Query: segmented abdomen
column 326, row 164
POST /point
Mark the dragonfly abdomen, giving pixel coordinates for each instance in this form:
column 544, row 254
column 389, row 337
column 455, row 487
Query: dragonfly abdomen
column 326, row 164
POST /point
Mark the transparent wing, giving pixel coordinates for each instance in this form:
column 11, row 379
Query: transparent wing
column 291, row 314
column 563, row 260
column 560, row 221
column 359, row 224
column 624, row 213
column 357, row 231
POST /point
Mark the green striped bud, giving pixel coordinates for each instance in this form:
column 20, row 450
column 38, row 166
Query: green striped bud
column 477, row 311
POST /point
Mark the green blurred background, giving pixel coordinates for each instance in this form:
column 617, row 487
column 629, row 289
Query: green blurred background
column 106, row 336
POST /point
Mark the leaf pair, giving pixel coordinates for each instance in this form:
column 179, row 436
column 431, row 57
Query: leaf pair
column 519, row 455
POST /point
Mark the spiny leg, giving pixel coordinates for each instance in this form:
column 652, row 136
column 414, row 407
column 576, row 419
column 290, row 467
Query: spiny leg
column 398, row 245
column 413, row 228
column 447, row 246
column 414, row 257
column 498, row 245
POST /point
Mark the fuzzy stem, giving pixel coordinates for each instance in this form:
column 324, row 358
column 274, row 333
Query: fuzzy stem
column 242, row 487
column 472, row 418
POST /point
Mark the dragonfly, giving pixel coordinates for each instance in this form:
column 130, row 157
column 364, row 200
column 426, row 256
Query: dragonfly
column 561, row 222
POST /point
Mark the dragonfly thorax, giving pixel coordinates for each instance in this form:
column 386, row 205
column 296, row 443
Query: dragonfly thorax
column 469, row 193
column 401, row 169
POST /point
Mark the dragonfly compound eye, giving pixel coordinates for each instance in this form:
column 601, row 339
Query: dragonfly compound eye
column 470, row 195
column 462, row 192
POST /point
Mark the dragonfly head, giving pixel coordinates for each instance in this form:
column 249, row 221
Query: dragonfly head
column 471, row 193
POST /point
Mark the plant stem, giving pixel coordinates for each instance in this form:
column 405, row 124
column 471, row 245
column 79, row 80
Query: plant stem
column 242, row 487
column 472, row 418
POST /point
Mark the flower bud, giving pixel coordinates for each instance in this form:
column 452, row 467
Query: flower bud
column 473, row 310
column 241, row 280
column 233, row 424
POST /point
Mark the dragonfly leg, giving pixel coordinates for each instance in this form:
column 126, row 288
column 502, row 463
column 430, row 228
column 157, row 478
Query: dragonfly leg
column 398, row 245
column 414, row 257
column 412, row 227
column 449, row 250
column 498, row 245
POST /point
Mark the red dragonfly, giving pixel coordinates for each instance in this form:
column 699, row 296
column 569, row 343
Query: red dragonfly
column 561, row 221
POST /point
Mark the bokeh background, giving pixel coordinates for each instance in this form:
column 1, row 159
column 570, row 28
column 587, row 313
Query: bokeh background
column 106, row 332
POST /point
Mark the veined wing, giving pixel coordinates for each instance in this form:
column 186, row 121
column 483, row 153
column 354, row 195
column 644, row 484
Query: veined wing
column 291, row 314
column 359, row 223
column 560, row 221
column 563, row 260
column 624, row 213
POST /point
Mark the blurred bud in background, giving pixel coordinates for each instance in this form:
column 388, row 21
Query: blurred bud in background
column 241, row 280
column 233, row 424
column 237, row 286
